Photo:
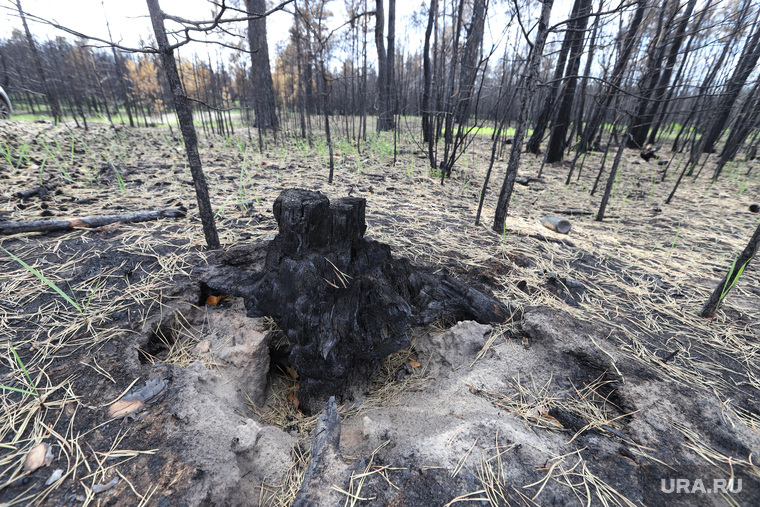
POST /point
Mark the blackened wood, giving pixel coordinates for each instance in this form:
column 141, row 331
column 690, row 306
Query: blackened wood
column 185, row 118
column 50, row 95
column 41, row 191
column 344, row 302
column 327, row 469
column 261, row 74
column 561, row 122
column 537, row 53
column 743, row 69
column 88, row 222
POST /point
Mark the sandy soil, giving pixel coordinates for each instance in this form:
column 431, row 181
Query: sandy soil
column 609, row 385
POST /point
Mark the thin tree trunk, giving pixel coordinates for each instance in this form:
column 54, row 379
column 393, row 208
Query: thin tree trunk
column 744, row 68
column 427, row 121
column 561, row 123
column 611, row 90
column 642, row 120
column 539, row 127
column 50, row 96
column 448, row 137
column 529, row 89
column 663, row 88
column 611, row 177
column 185, row 118
column 470, row 61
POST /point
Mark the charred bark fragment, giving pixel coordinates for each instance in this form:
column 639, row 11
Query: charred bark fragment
column 344, row 302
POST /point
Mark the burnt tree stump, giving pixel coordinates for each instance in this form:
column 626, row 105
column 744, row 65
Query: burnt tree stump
column 344, row 302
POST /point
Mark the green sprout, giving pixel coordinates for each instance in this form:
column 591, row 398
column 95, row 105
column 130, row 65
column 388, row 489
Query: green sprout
column 45, row 280
column 26, row 373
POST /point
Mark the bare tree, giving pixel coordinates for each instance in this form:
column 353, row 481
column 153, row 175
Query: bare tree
column 385, row 63
column 539, row 127
column 185, row 118
column 263, row 91
column 52, row 100
column 576, row 33
column 529, row 89
column 427, row 117
column 612, row 86
column 470, row 60
column 734, row 85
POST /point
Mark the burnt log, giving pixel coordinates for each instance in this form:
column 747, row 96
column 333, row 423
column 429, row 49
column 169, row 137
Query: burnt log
column 326, row 467
column 344, row 302
column 89, row 222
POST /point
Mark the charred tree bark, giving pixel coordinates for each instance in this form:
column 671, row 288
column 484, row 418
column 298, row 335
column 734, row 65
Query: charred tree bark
column 470, row 61
column 731, row 277
column 659, row 102
column 390, row 75
column 324, row 94
column 745, row 122
column 539, row 127
column 448, row 135
column 611, row 178
column 529, row 87
column 614, row 83
column 561, row 123
column 385, row 112
column 648, row 84
column 263, row 90
column 88, row 222
column 343, row 301
column 744, row 68
column 427, row 117
column 578, row 124
column 185, row 118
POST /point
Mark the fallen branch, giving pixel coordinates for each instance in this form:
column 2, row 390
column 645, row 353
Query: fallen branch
column 88, row 222
column 573, row 212
column 42, row 191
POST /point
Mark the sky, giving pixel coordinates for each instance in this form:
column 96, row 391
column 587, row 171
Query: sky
column 130, row 23
column 128, row 19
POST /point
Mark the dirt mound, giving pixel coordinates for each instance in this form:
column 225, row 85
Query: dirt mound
column 611, row 390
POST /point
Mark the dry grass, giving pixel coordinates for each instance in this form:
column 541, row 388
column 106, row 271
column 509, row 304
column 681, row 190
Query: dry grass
column 646, row 272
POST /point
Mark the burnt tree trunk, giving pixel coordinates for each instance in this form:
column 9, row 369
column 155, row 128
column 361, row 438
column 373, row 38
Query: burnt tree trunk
column 539, row 127
column 427, row 117
column 263, row 90
column 648, row 83
column 344, row 302
column 615, row 79
column 744, row 68
column 561, row 123
column 659, row 101
column 470, row 61
column 89, row 222
column 529, row 87
column 185, row 118
column 50, row 96
column 612, row 87
column 578, row 124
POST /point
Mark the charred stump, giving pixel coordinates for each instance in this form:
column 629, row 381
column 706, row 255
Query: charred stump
column 343, row 301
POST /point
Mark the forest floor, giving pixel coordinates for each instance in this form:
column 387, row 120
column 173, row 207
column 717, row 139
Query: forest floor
column 639, row 279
